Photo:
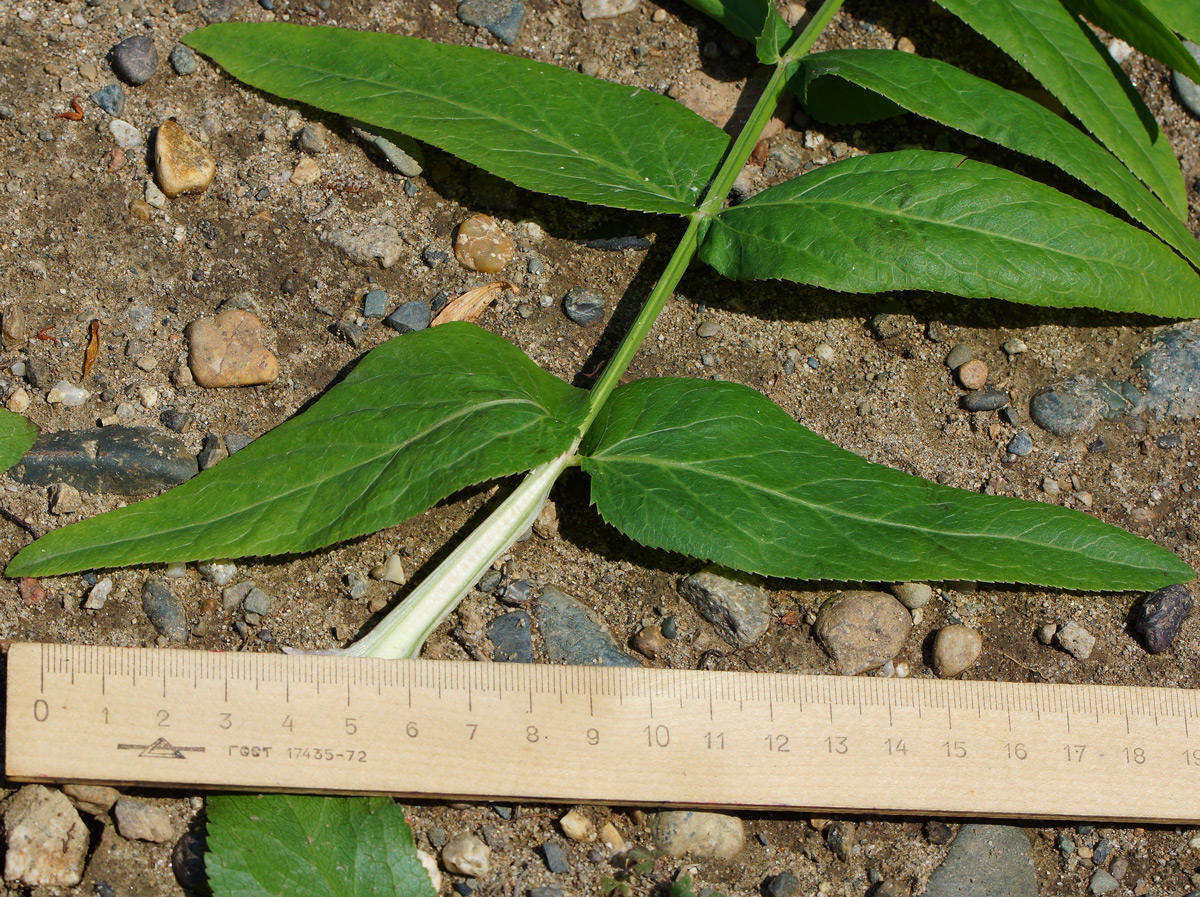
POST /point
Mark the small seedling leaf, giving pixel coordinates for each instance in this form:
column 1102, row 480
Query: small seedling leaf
column 1070, row 62
column 937, row 221
column 717, row 471
column 1131, row 21
column 17, row 434
column 952, row 97
column 422, row 416
column 541, row 127
column 755, row 20
column 306, row 846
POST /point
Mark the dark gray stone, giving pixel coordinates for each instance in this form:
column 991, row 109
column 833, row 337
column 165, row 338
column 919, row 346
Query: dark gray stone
column 839, row 837
column 114, row 460
column 1076, row 404
column 1171, row 367
column 434, row 258
column 38, row 372
column 989, row 399
column 235, row 442
column 163, row 610
column 1169, row 441
column 349, row 332
column 212, row 452
column 1157, row 617
column 503, row 18
column 986, row 861
column 958, row 356
column 312, row 139
column 938, row 832
column 110, row 98
column 556, row 858
column 510, row 637
column 134, row 59
column 572, row 637
column 183, row 60
column 583, row 306
column 176, row 420
column 410, row 316
column 1021, row 444
column 885, row 325
column 517, row 593
column 257, row 602
column 375, row 304
column 1189, row 92
column 187, row 861
column 670, row 627
column 785, row 884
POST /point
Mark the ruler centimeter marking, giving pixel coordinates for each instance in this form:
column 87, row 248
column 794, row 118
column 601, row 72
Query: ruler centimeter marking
column 600, row 734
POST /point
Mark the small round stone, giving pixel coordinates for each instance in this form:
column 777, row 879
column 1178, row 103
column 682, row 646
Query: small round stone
column 912, row 594
column 583, row 305
column 134, row 59
column 648, row 641
column 985, row 400
column 958, row 356
column 183, row 60
column 1158, row 616
column 1075, row 640
column 110, row 98
column 955, row 648
column 973, row 374
column 466, row 855
column 862, row 630
column 708, row 329
column 482, row 246
column 785, row 884
column 1021, row 444
column 670, row 627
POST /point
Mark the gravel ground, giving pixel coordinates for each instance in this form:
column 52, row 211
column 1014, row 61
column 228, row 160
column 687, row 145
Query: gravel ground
column 79, row 247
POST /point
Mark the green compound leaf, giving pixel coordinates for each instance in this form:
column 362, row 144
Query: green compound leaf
column 17, row 435
column 1131, row 21
column 422, row 416
column 952, row 97
column 937, row 221
column 304, row 846
column 717, row 471
column 1181, row 16
column 541, row 127
column 755, row 20
column 1069, row 60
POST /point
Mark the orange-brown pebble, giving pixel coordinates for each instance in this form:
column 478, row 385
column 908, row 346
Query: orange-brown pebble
column 141, row 210
column 482, row 246
column 973, row 374
column 181, row 163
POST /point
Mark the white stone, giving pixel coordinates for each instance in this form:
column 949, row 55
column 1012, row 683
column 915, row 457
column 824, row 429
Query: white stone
column 67, row 394
column 466, row 855
column 18, row 402
column 606, row 9
column 219, row 573
column 126, row 135
column 98, row 594
column 430, row 864
column 577, row 826
column 391, row 570
column 1119, row 50
column 154, row 196
column 47, row 840
column 149, row 396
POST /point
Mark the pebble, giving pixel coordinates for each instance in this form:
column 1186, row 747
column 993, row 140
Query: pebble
column 973, row 374
column 648, row 641
column 18, row 402
column 670, row 627
column 380, row 242
column 986, row 861
column 546, row 891
column 47, row 839
column 862, row 630
column 134, row 59
column 391, row 570
column 955, row 648
column 126, row 135
column 257, row 602
column 67, row 394
column 404, row 161
column 503, row 18
column 64, row 499
column 95, row 800
column 1102, row 882
column 990, row 399
column 510, row 637
column 219, row 573
column 556, row 858
column 349, row 332
column 885, row 325
column 466, row 855
column 516, row 593
column 1157, row 617
column 212, row 452
column 785, row 884
column 911, row 594
column 693, row 832
column 481, row 245
column 576, row 826
column 222, row 10
column 1014, row 346
column 1045, row 633
column 312, row 139
column 571, row 636
column 958, row 356
column 738, row 609
column 1171, row 367
column 937, row 832
column 433, row 257
column 98, row 594
column 181, row 163
column 410, row 317
column 110, row 98
column 615, row 244
column 305, row 173
column 1021, row 444
column 1076, row 404
column 839, row 838
column 236, row 442
column 1189, row 92
column 183, row 60
column 708, row 329
column 118, row 460
column 583, row 305
column 187, row 862
column 163, row 610
column 227, row 350
column 1075, row 640
column 611, row 838
column 138, row 821
column 375, row 304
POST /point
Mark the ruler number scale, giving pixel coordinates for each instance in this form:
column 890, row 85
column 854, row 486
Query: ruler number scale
column 688, row 738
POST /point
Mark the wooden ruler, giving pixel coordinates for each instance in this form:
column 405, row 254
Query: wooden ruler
column 601, row 734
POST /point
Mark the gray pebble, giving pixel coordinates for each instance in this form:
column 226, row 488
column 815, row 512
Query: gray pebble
column 115, row 460
column 911, row 594
column 212, row 452
column 989, row 399
column 1169, row 441
column 183, row 60
column 437, row 837
column 7, row 112
column 489, row 581
column 839, row 837
column 670, row 627
column 1171, row 367
column 583, row 305
column 257, row 602
column 140, row 821
column 219, row 10
column 986, row 861
column 699, row 834
column 1076, row 404
column 1021, row 444
column 862, row 630
column 176, row 420
column 510, row 637
column 163, row 610
column 516, row 593
column 546, row 891
column 1097, row 445
column 235, row 442
column 1157, row 617
column 410, row 316
column 187, row 861
column 312, row 139
column 134, row 59
column 38, row 372
column 708, row 329
column 357, row 584
column 556, row 858
column 571, row 636
column 1101, row 851
column 885, row 325
column 738, row 609
column 937, row 832
column 110, row 98
column 503, row 18
column 535, row 267
column 1189, row 92
column 1075, row 640
column 375, row 304
column 434, row 258
column 785, row 884
column 1102, row 883
column 348, row 332
column 958, row 356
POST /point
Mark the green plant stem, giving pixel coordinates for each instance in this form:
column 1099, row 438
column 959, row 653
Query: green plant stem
column 404, row 630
